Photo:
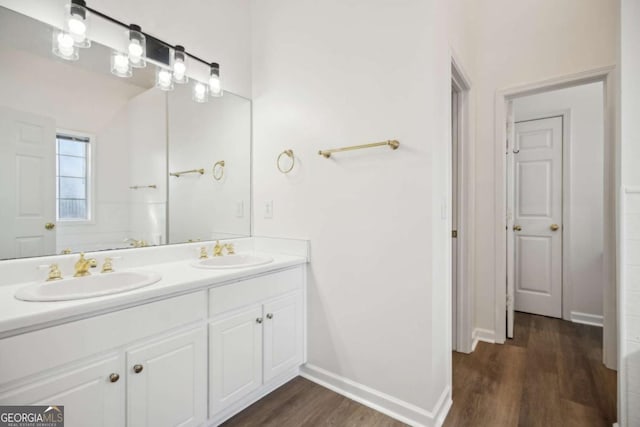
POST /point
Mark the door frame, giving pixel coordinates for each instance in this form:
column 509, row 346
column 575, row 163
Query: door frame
column 465, row 243
column 565, row 231
column 606, row 75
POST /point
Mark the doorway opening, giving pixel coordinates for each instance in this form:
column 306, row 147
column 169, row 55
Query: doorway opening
column 462, row 211
column 555, row 184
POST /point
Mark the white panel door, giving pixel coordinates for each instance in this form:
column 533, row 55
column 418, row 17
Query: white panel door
column 538, row 216
column 235, row 358
column 167, row 381
column 27, row 184
column 282, row 335
column 91, row 396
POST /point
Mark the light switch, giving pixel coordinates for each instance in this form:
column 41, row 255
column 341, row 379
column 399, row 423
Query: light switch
column 240, row 209
column 268, row 209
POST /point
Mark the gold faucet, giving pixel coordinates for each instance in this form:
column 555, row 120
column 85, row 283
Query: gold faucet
column 217, row 249
column 82, row 266
column 54, row 273
column 107, row 267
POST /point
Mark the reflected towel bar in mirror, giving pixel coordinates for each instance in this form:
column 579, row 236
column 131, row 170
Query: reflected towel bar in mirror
column 177, row 174
column 392, row 143
column 138, row 187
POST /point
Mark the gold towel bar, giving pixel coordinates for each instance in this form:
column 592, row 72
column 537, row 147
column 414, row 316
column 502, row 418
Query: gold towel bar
column 392, row 143
column 138, row 187
column 177, row 174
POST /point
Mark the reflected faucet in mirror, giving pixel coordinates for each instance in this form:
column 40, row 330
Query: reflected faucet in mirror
column 136, row 243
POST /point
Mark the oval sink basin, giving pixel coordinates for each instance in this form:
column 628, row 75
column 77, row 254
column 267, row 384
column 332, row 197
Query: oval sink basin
column 232, row 261
column 95, row 285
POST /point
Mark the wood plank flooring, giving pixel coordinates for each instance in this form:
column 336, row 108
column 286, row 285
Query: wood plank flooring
column 550, row 375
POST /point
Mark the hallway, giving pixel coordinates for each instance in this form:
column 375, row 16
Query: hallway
column 551, row 374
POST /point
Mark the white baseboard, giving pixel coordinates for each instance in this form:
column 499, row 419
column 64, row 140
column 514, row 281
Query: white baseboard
column 379, row 401
column 587, row 319
column 484, row 335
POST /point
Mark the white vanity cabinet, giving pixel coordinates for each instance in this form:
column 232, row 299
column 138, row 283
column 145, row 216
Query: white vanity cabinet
column 150, row 359
column 92, row 393
column 256, row 339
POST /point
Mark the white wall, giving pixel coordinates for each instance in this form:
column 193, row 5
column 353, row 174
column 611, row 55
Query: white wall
column 583, row 234
column 517, row 43
column 200, row 135
column 336, row 73
column 215, row 30
column 629, row 298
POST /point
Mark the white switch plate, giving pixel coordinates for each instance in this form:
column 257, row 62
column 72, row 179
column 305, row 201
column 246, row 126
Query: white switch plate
column 240, row 209
column 268, row 209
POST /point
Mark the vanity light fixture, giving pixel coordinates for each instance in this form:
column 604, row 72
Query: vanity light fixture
column 179, row 65
column 120, row 64
column 200, row 92
column 164, row 79
column 215, row 87
column 137, row 46
column 76, row 23
column 64, row 46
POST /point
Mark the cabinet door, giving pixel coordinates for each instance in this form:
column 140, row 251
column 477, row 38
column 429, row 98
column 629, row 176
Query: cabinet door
column 167, row 381
column 282, row 335
column 235, row 352
column 88, row 392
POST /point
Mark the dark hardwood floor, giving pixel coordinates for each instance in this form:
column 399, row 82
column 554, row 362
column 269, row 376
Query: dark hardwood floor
column 550, row 375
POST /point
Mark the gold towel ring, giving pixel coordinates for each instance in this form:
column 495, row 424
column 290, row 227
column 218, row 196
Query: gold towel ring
column 288, row 153
column 219, row 176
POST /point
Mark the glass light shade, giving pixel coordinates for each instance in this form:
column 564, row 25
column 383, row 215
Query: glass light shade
column 64, row 46
column 76, row 23
column 120, row 64
column 215, row 86
column 200, row 92
column 164, row 79
column 180, row 65
column 137, row 47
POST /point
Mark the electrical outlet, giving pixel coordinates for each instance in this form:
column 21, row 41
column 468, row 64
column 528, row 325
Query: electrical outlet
column 268, row 209
column 240, row 209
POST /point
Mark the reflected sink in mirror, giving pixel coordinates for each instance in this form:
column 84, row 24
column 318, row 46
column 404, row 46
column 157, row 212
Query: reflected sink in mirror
column 232, row 261
column 88, row 286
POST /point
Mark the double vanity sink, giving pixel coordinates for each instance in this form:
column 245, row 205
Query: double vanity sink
column 114, row 282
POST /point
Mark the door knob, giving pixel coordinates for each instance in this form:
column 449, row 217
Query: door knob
column 114, row 378
column 554, row 227
column 49, row 226
column 517, row 228
column 137, row 368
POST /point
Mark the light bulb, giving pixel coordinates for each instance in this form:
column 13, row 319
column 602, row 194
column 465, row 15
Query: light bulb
column 180, row 65
column 63, row 46
column 164, row 79
column 120, row 65
column 77, row 26
column 76, row 23
column 136, row 46
column 200, row 92
column 215, row 87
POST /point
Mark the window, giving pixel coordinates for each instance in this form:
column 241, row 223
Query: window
column 72, row 176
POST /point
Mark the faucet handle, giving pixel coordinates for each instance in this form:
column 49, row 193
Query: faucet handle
column 203, row 252
column 54, row 273
column 107, row 266
column 230, row 249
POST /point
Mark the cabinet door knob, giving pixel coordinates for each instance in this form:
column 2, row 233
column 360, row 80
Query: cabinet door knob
column 114, row 377
column 137, row 368
column 554, row 227
column 269, row 315
column 259, row 320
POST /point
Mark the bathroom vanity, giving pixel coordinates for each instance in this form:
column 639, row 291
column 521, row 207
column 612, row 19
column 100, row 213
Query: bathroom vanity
column 192, row 349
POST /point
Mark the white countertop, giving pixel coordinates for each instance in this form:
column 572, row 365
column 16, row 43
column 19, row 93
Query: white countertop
column 178, row 277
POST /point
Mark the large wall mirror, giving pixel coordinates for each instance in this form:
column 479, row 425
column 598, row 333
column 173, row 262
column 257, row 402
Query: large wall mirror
column 90, row 161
